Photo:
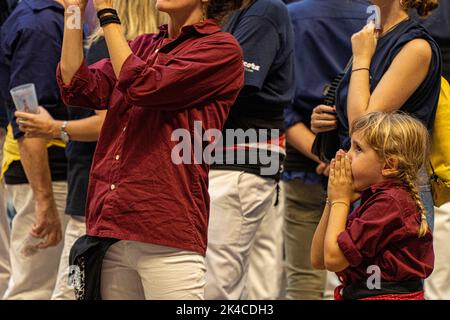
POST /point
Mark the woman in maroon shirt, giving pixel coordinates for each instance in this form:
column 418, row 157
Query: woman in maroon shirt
column 385, row 249
column 139, row 192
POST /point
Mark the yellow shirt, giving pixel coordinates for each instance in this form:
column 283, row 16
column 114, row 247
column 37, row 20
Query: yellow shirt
column 11, row 150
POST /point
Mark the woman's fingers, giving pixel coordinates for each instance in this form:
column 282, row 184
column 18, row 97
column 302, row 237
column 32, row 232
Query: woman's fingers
column 323, row 116
column 325, row 123
column 323, row 108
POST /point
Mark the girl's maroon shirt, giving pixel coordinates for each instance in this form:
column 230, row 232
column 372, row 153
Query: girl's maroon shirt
column 136, row 191
column 383, row 232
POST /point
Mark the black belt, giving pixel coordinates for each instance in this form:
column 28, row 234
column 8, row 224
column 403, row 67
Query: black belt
column 360, row 290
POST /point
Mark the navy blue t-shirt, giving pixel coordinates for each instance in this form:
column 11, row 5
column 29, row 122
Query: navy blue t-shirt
column 323, row 29
column 423, row 103
column 30, row 49
column 265, row 34
column 80, row 154
column 266, row 37
column 6, row 6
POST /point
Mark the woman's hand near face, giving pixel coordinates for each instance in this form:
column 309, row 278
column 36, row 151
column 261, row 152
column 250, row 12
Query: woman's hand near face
column 364, row 44
column 323, row 119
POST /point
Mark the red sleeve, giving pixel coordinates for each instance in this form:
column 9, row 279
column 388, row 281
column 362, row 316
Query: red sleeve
column 380, row 222
column 211, row 68
column 90, row 87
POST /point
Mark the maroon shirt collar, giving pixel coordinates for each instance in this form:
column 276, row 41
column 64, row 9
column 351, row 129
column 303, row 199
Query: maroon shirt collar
column 388, row 184
column 209, row 26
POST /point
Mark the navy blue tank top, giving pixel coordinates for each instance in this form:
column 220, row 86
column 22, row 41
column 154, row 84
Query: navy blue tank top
column 423, row 103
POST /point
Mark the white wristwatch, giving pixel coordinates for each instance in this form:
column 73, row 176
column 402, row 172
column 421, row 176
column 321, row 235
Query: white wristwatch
column 63, row 134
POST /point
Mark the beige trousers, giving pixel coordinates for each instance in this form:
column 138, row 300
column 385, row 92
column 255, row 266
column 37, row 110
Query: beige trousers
column 437, row 286
column 5, row 267
column 76, row 228
column 265, row 273
column 239, row 203
column 135, row 271
column 32, row 277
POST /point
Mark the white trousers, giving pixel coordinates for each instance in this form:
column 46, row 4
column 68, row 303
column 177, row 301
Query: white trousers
column 239, row 203
column 32, row 277
column 437, row 286
column 76, row 228
column 5, row 267
column 265, row 273
column 135, row 271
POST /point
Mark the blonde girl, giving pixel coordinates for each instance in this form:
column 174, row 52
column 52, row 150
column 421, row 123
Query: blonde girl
column 388, row 231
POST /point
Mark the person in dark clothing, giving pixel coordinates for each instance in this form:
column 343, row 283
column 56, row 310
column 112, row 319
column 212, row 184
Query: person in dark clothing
column 438, row 24
column 6, row 7
column 35, row 170
column 396, row 68
column 244, row 193
column 322, row 47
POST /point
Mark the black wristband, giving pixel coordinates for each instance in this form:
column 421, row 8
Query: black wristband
column 108, row 20
column 106, row 10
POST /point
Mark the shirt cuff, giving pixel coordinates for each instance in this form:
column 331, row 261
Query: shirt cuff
column 291, row 117
column 79, row 80
column 131, row 69
column 349, row 249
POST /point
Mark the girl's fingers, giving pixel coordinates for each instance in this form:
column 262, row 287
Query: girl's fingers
column 338, row 165
column 348, row 168
column 332, row 169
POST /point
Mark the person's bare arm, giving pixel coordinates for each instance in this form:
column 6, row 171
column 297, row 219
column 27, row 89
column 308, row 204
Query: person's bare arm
column 118, row 47
column 317, row 245
column 42, row 125
column 72, row 55
column 334, row 258
column 301, row 138
column 34, row 158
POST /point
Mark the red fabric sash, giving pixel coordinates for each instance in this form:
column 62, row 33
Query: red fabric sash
column 406, row 296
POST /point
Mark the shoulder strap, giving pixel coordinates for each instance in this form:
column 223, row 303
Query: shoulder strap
column 330, row 90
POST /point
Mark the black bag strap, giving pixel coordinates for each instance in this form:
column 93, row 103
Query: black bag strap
column 330, row 91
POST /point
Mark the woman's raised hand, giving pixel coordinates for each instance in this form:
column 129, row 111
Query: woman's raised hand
column 323, row 119
column 79, row 3
column 364, row 44
column 102, row 4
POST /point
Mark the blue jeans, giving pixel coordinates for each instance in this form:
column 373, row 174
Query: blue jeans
column 427, row 199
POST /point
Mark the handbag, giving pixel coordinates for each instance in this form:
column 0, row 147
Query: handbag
column 439, row 161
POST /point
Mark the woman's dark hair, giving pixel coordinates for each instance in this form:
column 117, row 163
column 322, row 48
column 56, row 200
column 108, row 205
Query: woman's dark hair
column 423, row 7
column 220, row 9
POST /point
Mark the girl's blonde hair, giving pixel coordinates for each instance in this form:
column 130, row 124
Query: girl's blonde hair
column 402, row 138
column 137, row 16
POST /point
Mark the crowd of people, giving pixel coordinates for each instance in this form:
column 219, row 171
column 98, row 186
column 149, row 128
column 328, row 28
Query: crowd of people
column 180, row 149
